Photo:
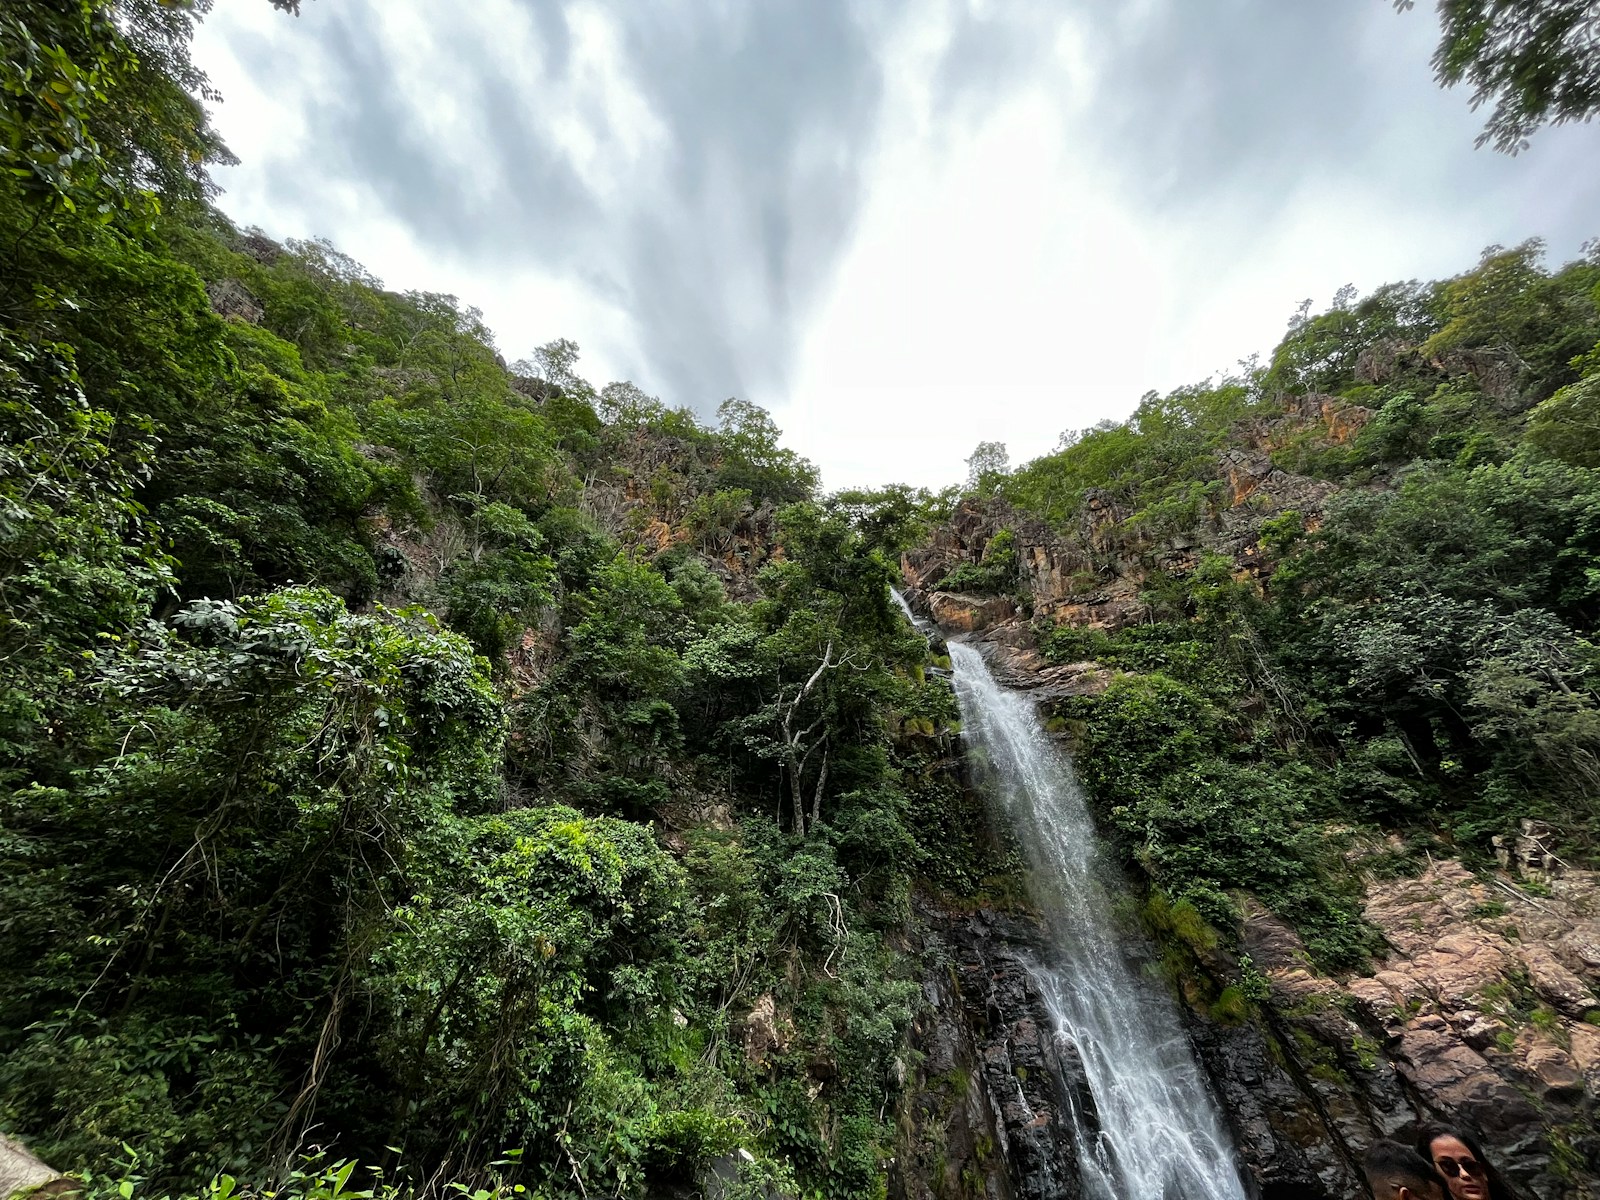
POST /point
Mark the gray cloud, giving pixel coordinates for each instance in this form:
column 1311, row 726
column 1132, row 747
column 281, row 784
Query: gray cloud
column 1246, row 99
column 1210, row 94
column 769, row 109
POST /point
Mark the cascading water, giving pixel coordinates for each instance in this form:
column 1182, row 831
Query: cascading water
column 1153, row 1132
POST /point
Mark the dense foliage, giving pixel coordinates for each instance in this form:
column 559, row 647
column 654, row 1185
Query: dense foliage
column 439, row 763
column 485, row 777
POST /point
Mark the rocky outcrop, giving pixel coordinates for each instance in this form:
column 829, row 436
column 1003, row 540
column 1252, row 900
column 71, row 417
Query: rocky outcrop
column 958, row 613
column 21, row 1172
column 230, row 298
column 1480, row 1013
column 988, row 1108
column 1487, row 1004
column 1071, row 577
column 1529, row 853
column 1483, row 1010
column 1329, row 420
column 1092, row 574
column 1025, row 669
column 987, row 1113
column 761, row 1031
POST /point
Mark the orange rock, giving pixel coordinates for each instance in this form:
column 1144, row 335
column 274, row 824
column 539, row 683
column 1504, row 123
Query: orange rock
column 1556, row 1071
column 970, row 614
column 1564, row 990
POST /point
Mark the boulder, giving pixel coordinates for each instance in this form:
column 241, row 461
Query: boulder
column 989, row 1092
column 957, row 612
column 20, row 1171
column 761, row 1032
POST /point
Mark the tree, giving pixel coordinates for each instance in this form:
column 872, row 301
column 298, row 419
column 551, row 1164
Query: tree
column 986, row 464
column 799, row 743
column 556, row 363
column 78, row 563
column 755, row 459
column 264, row 874
column 1567, row 426
column 1538, row 61
column 894, row 518
column 102, row 102
column 1489, row 307
column 625, row 403
column 268, row 773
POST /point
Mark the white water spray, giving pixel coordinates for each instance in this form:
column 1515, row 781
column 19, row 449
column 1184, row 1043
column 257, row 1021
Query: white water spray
column 1155, row 1133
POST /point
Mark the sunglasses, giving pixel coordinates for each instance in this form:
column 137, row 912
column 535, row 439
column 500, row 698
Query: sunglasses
column 1456, row 1167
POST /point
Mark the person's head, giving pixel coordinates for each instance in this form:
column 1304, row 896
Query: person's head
column 1396, row 1172
column 1459, row 1159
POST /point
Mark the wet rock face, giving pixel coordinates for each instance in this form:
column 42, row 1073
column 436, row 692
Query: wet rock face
column 988, row 1111
column 1280, row 1132
column 1467, row 1020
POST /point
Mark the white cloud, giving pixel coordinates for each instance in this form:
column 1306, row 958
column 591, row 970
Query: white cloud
column 1010, row 281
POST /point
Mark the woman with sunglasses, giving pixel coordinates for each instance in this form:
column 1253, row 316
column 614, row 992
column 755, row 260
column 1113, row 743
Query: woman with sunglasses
column 1459, row 1159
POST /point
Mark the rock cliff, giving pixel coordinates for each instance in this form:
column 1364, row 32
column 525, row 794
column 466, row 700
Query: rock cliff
column 985, row 1115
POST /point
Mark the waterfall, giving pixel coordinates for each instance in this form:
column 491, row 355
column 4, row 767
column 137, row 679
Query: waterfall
column 1151, row 1131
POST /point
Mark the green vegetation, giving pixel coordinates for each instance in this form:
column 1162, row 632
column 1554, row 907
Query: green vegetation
column 1537, row 61
column 1416, row 653
column 994, row 573
column 406, row 755
column 1158, row 467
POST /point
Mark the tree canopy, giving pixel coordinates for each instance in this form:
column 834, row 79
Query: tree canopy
column 1532, row 62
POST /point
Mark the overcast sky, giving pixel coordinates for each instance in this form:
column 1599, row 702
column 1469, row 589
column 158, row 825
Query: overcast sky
column 903, row 227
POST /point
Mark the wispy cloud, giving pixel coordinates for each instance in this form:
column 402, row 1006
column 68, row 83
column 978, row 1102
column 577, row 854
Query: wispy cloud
column 698, row 166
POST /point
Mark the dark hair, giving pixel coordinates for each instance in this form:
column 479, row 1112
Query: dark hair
column 1499, row 1189
column 1389, row 1165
